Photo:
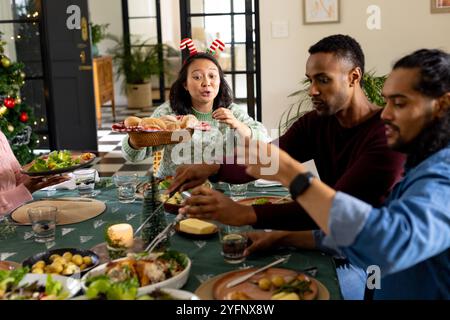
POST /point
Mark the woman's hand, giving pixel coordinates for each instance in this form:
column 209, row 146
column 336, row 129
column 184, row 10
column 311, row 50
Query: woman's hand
column 206, row 203
column 36, row 183
column 226, row 116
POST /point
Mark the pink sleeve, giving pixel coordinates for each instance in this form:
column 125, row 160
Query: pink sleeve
column 13, row 198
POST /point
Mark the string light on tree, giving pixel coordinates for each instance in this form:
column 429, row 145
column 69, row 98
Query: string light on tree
column 3, row 110
column 10, row 128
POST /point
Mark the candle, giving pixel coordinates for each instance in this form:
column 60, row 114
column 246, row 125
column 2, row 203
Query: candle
column 121, row 235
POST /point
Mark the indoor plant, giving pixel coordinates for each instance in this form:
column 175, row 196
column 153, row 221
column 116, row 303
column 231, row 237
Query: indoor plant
column 137, row 63
column 372, row 86
column 98, row 33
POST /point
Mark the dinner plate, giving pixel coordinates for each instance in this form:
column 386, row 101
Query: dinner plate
column 176, row 294
column 71, row 285
column 9, row 265
column 176, row 282
column 196, row 236
column 213, row 289
column 272, row 199
column 83, row 163
column 45, row 256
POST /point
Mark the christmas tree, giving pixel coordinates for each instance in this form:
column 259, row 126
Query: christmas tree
column 16, row 117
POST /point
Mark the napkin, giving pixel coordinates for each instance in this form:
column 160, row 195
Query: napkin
column 310, row 166
column 69, row 184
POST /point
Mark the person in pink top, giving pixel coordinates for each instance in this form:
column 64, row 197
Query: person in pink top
column 15, row 187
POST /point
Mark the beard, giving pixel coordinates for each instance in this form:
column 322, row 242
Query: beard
column 434, row 137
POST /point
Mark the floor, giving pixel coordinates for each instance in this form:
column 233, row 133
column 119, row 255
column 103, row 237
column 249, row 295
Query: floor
column 110, row 158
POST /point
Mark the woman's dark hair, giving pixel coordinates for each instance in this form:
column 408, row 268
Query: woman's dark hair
column 433, row 82
column 180, row 99
column 344, row 47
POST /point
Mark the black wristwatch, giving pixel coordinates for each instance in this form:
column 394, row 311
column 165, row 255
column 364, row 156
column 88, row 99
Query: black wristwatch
column 300, row 184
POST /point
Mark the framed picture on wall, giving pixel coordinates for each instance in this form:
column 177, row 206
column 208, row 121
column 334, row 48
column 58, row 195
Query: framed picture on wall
column 321, row 11
column 440, row 6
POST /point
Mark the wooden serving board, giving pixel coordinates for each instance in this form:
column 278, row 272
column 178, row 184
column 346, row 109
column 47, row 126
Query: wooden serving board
column 72, row 211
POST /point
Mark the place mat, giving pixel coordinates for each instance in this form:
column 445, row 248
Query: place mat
column 102, row 251
column 68, row 211
column 206, row 290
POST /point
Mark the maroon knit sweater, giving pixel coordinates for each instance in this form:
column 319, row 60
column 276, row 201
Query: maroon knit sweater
column 352, row 160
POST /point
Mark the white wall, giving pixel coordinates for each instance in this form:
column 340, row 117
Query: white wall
column 406, row 25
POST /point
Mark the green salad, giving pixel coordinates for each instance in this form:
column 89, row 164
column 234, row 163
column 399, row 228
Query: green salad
column 55, row 160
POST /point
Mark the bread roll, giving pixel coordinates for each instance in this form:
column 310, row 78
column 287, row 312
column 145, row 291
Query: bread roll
column 132, row 121
column 171, row 122
column 189, row 121
column 153, row 123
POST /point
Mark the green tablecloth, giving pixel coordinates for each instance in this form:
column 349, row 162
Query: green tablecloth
column 205, row 254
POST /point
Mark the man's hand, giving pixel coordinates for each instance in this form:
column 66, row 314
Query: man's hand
column 36, row 183
column 206, row 203
column 190, row 176
column 262, row 241
column 267, row 161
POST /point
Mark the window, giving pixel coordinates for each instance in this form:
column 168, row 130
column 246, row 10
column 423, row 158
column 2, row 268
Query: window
column 142, row 21
column 236, row 23
column 20, row 23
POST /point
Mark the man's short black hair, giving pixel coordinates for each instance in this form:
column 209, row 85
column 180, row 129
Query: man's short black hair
column 344, row 47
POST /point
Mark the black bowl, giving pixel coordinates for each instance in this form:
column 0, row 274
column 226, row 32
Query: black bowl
column 45, row 256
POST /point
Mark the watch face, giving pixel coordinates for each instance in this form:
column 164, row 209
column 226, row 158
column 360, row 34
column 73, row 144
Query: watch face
column 300, row 184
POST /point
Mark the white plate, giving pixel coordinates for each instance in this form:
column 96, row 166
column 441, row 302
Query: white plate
column 175, row 293
column 175, row 282
column 71, row 285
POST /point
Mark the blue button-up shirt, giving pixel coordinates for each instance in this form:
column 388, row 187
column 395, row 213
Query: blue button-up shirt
column 408, row 238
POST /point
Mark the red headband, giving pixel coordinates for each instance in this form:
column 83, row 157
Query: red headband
column 212, row 50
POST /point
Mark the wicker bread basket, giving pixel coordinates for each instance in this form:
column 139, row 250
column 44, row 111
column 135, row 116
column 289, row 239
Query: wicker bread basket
column 159, row 138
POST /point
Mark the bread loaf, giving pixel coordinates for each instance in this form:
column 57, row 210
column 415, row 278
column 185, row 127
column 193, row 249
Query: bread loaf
column 132, row 121
column 153, row 123
column 188, row 121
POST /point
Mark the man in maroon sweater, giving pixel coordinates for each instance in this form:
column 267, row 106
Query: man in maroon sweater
column 344, row 135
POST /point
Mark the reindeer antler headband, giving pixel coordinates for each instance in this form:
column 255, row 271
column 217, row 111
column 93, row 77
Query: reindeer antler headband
column 212, row 50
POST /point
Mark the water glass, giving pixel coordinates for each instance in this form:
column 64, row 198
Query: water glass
column 238, row 191
column 126, row 186
column 43, row 223
column 85, row 181
column 234, row 241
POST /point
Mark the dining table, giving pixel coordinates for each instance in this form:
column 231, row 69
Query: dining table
column 205, row 254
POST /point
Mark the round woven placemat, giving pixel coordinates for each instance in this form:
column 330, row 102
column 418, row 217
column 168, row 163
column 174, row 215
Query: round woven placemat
column 70, row 210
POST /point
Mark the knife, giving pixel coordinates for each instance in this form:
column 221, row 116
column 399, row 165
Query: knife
column 247, row 276
column 64, row 199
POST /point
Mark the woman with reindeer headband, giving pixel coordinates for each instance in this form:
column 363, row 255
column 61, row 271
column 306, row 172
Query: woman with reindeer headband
column 202, row 91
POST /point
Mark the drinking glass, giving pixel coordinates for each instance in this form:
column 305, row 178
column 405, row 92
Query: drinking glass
column 238, row 191
column 85, row 181
column 234, row 241
column 43, row 223
column 126, row 186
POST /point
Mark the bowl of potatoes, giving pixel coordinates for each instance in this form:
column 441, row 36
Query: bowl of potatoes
column 66, row 262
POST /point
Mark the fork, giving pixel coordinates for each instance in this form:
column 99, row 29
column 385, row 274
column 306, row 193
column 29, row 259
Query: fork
column 163, row 234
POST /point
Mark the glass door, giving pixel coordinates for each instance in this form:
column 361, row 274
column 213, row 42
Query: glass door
column 142, row 22
column 236, row 23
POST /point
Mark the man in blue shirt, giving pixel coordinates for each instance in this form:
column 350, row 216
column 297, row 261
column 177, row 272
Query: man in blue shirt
column 408, row 239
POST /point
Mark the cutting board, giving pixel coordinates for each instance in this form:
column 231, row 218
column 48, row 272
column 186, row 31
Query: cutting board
column 72, row 211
